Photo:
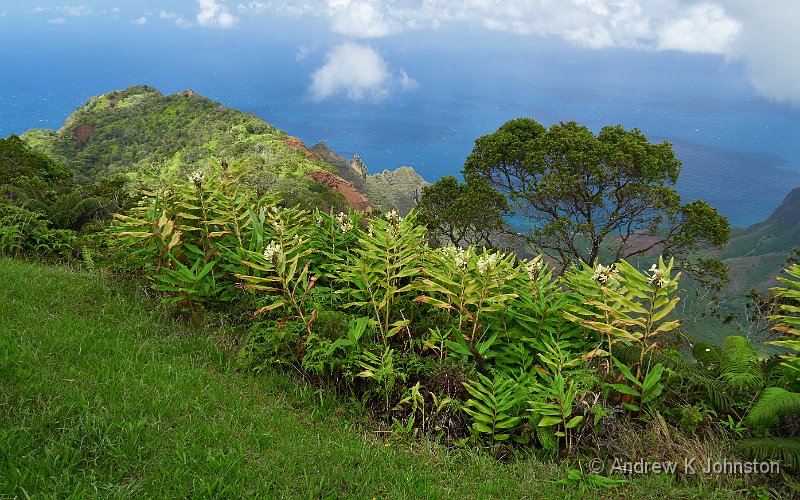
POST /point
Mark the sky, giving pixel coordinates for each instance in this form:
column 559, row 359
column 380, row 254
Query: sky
column 763, row 36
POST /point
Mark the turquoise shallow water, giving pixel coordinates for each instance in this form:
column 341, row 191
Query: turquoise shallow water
column 740, row 153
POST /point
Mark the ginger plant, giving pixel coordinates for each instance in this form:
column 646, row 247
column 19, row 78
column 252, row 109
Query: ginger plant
column 631, row 307
column 283, row 264
column 381, row 268
column 472, row 285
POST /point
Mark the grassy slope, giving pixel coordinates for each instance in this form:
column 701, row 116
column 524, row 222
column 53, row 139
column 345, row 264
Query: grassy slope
column 101, row 397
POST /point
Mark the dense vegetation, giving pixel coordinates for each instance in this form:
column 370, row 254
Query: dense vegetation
column 43, row 212
column 463, row 346
column 588, row 197
column 139, row 130
column 474, row 348
column 104, row 397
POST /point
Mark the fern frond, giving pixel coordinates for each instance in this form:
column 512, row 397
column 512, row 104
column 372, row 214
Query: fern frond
column 774, row 402
column 22, row 198
column 718, row 392
column 784, row 450
column 740, row 365
column 71, row 208
column 709, row 356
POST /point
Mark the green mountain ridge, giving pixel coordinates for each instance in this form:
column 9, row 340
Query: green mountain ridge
column 139, row 128
column 758, row 253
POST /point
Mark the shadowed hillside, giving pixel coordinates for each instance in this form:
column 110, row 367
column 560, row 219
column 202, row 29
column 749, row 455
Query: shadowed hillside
column 758, row 253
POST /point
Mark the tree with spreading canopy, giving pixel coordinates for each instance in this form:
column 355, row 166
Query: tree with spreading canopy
column 588, row 196
column 463, row 214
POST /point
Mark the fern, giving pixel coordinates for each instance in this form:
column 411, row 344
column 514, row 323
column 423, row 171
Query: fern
column 717, row 392
column 785, row 450
column 774, row 402
column 740, row 365
column 70, row 210
column 708, row 356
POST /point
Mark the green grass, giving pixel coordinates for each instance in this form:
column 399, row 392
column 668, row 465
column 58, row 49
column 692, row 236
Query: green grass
column 101, row 397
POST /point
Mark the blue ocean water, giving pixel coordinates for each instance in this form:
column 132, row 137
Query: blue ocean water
column 739, row 152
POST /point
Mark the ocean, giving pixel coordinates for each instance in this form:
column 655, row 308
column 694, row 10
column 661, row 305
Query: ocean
column 740, row 152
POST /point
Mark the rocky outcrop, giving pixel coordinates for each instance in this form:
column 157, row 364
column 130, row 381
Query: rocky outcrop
column 358, row 167
column 398, row 189
column 353, row 171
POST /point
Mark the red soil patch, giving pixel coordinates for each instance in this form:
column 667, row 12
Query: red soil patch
column 83, row 132
column 297, row 145
column 354, row 198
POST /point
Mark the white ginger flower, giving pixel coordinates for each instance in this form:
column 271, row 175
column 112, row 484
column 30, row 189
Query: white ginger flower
column 657, row 277
column 534, row 267
column 488, row 262
column 196, row 177
column 458, row 254
column 393, row 217
column 271, row 251
column 344, row 222
column 602, row 273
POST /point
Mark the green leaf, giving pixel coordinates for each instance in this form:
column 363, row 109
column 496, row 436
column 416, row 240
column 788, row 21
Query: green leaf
column 626, row 372
column 574, row 422
column 624, row 389
column 482, row 428
column 547, row 421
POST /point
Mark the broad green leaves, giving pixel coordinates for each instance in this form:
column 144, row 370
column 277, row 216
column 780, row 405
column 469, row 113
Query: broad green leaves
column 472, row 285
column 381, row 268
column 492, row 405
column 191, row 236
column 624, row 305
column 645, row 392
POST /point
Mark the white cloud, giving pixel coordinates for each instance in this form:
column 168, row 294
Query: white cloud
column 215, row 14
column 252, row 8
column 302, row 53
column 641, row 24
column 768, row 46
column 139, row 21
column 357, row 72
column 80, row 10
column 182, row 23
column 354, row 70
column 360, row 18
column 704, row 28
column 764, row 36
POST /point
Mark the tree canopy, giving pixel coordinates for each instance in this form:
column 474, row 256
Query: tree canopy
column 468, row 213
column 589, row 196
